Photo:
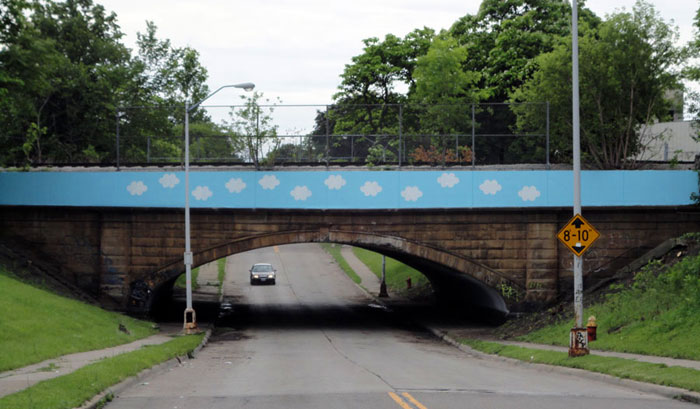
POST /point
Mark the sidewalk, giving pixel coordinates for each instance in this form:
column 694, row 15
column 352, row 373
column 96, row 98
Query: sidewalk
column 370, row 281
column 22, row 378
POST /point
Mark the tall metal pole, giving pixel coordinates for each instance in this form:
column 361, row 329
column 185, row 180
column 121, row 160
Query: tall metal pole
column 190, row 318
column 190, row 325
column 578, row 262
column 382, row 285
column 117, row 121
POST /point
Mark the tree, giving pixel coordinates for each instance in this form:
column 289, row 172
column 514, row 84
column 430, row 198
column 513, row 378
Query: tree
column 445, row 91
column 60, row 64
column 252, row 129
column 365, row 105
column 504, row 37
column 626, row 67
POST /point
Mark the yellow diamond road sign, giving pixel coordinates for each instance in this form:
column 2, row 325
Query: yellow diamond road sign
column 578, row 235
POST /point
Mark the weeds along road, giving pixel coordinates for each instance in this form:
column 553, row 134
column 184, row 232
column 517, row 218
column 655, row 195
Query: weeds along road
column 313, row 341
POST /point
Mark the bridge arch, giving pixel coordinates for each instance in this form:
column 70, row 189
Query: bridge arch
column 455, row 278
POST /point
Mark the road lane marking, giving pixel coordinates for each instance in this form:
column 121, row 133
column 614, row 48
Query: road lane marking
column 413, row 400
column 399, row 401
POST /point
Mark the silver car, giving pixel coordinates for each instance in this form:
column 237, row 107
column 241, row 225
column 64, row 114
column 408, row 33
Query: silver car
column 262, row 273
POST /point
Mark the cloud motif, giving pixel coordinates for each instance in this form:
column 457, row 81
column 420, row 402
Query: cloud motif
column 300, row 193
column 448, row 180
column 169, row 180
column 529, row 193
column 371, row 188
column 269, row 182
column 235, row 185
column 136, row 188
column 411, row 193
column 202, row 193
column 335, row 182
column 490, row 187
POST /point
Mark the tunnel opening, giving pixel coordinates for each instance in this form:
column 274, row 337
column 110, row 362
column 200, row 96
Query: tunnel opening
column 450, row 294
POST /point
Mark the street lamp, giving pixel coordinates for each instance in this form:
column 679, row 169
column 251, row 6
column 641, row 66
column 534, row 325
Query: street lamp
column 190, row 325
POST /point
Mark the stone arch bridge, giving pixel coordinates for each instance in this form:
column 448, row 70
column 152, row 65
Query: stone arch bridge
column 127, row 256
column 484, row 238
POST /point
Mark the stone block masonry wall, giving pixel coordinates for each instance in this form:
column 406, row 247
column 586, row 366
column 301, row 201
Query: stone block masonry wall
column 106, row 250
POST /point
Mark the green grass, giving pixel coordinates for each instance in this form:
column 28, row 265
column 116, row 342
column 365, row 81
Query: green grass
column 72, row 390
column 657, row 315
column 396, row 272
column 334, row 251
column 37, row 325
column 659, row 374
column 181, row 281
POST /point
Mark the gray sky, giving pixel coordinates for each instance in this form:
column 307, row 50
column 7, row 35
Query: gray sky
column 295, row 50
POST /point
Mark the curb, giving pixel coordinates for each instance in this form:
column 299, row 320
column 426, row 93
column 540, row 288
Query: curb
column 665, row 391
column 114, row 390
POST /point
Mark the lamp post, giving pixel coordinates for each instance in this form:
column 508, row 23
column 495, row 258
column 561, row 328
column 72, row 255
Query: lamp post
column 190, row 325
column 578, row 342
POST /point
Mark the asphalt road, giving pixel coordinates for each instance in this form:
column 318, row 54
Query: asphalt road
column 314, row 341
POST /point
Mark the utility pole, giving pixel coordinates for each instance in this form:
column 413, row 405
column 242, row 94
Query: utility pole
column 578, row 341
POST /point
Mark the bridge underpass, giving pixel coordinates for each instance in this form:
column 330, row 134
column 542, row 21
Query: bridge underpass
column 119, row 235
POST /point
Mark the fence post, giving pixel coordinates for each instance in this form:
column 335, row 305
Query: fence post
column 473, row 139
column 328, row 136
column 401, row 150
column 547, row 136
column 117, row 121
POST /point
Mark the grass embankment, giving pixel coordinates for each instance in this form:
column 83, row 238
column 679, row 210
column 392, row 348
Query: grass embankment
column 334, row 251
column 656, row 315
column 659, row 374
column 37, row 325
column 72, row 390
column 181, row 281
column 396, row 272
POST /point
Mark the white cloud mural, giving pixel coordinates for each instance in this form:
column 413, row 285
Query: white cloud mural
column 269, row 182
column 169, row 180
column 411, row 193
column 300, row 193
column 371, row 188
column 235, row 185
column 529, row 193
column 202, row 193
column 448, row 180
column 334, row 182
column 490, row 187
column 136, row 188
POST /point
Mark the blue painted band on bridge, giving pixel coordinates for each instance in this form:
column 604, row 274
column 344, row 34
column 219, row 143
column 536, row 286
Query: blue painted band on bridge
column 348, row 189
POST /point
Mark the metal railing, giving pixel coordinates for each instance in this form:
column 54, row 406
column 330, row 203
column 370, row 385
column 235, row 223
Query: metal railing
column 387, row 134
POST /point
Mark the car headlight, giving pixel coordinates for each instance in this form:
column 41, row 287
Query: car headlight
column 271, row 276
column 256, row 276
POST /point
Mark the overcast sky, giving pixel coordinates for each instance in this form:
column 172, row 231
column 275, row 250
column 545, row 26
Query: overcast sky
column 295, row 50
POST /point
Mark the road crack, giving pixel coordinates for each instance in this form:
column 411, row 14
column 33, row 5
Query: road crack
column 357, row 364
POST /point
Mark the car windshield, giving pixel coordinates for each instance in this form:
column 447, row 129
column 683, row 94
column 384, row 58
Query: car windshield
column 262, row 268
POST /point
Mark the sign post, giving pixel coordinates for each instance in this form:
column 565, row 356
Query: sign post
column 578, row 262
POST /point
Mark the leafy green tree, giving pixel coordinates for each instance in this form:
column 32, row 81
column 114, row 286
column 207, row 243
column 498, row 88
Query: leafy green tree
column 60, row 64
column 504, row 36
column 365, row 104
column 626, row 67
column 445, row 91
column 252, row 129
